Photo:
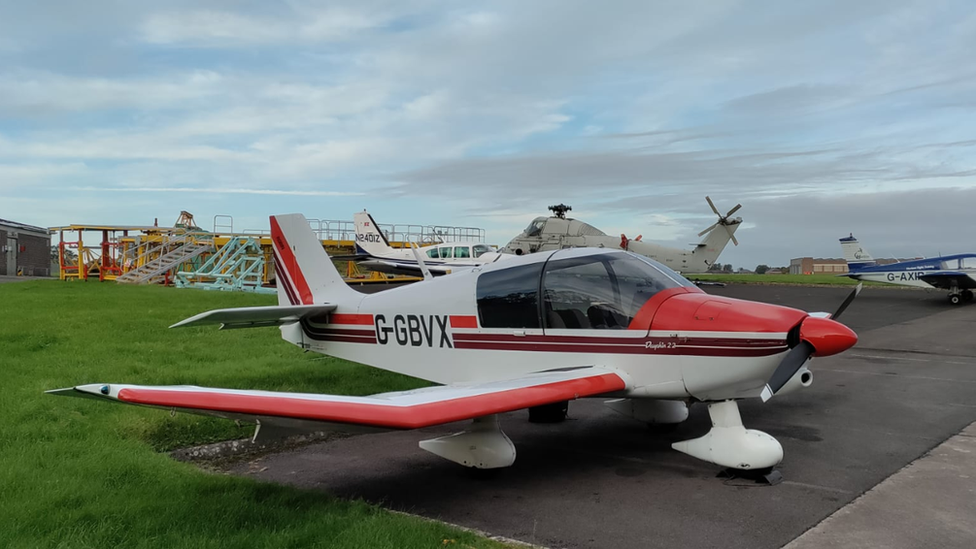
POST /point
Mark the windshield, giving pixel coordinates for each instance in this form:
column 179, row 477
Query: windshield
column 602, row 291
column 535, row 228
column 479, row 249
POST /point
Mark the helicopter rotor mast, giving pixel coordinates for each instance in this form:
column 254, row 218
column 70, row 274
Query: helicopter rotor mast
column 559, row 210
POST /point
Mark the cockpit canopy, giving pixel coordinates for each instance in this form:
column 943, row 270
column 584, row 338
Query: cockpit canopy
column 555, row 225
column 589, row 291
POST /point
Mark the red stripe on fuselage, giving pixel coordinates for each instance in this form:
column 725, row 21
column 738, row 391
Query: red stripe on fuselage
column 379, row 415
column 464, row 321
column 348, row 318
column 290, row 263
column 656, row 347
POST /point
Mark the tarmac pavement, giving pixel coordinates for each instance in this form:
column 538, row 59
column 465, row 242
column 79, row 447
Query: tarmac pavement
column 600, row 479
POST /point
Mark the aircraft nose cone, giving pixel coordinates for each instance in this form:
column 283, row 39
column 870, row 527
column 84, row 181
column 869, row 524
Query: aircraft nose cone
column 827, row 336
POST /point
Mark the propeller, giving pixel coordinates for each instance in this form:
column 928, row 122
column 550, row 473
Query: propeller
column 798, row 355
column 722, row 220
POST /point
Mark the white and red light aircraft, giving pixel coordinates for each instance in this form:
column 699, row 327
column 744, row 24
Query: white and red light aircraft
column 532, row 332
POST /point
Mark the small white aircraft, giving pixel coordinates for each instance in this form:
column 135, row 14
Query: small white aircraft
column 533, row 332
column 558, row 231
column 442, row 258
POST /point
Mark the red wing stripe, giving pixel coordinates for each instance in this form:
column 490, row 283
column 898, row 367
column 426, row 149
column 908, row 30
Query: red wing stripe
column 347, row 318
column 464, row 321
column 379, row 415
column 290, row 263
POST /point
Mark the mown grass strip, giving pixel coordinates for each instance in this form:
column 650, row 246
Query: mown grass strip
column 79, row 473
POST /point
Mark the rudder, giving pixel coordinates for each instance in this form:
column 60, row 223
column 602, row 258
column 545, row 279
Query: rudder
column 370, row 239
column 856, row 256
column 305, row 273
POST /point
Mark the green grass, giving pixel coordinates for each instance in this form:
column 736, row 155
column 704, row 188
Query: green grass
column 801, row 280
column 80, row 473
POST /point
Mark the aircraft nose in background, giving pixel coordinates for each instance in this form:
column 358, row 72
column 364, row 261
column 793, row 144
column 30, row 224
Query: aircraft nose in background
column 827, row 336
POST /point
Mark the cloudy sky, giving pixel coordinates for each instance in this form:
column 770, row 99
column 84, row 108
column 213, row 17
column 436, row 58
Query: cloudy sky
column 821, row 118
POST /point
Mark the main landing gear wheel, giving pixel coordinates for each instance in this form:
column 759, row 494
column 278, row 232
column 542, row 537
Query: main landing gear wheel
column 549, row 413
column 967, row 295
column 955, row 299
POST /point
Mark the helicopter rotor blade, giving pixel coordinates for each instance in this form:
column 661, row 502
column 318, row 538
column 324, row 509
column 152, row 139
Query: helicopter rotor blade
column 713, row 225
column 714, row 209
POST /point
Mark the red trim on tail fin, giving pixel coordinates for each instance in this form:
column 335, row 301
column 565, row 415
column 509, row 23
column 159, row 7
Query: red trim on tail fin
column 290, row 263
column 282, row 279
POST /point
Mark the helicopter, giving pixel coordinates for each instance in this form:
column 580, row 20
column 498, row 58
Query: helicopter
column 558, row 231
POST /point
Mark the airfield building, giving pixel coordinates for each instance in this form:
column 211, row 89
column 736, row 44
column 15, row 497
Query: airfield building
column 818, row 265
column 24, row 249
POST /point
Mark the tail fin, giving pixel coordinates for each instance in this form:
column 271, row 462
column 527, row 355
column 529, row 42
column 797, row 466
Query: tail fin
column 304, row 272
column 708, row 250
column 856, row 256
column 369, row 238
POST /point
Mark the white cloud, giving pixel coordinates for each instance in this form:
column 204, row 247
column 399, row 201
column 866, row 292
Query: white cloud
column 211, row 190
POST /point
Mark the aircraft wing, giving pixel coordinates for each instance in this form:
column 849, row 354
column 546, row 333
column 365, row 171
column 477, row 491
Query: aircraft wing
column 401, row 410
column 946, row 280
column 255, row 317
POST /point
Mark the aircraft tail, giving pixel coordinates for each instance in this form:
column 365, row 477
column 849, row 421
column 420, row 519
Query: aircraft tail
column 370, row 239
column 708, row 250
column 856, row 256
column 305, row 273
column 719, row 235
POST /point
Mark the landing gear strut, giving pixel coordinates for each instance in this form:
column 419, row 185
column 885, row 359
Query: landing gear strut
column 956, row 297
column 731, row 445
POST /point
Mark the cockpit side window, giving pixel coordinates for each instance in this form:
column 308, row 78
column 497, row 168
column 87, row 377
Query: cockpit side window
column 600, row 291
column 967, row 263
column 509, row 298
column 445, row 252
column 462, row 252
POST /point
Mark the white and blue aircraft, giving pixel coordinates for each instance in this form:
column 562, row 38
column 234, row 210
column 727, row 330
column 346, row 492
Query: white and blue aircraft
column 955, row 273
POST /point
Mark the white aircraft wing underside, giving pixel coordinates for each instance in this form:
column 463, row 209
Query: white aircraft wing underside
column 400, row 410
column 255, row 317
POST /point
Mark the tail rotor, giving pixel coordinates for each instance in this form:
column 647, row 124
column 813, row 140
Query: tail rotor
column 723, row 220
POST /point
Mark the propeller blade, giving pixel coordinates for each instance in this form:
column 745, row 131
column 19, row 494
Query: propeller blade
column 791, row 364
column 734, row 241
column 714, row 209
column 733, row 210
column 713, row 225
column 848, row 301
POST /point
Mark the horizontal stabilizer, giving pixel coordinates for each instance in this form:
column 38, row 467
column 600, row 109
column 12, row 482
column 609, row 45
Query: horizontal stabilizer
column 400, row 410
column 255, row 317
